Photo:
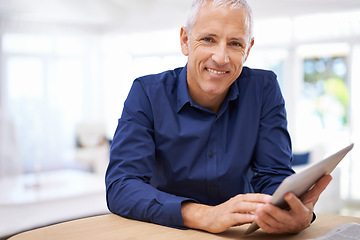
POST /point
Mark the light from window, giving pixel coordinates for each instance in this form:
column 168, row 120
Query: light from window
column 27, row 43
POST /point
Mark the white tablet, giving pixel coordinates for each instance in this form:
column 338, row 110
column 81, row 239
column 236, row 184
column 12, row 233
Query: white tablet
column 299, row 183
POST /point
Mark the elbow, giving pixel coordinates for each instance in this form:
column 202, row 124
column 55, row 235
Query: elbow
column 117, row 202
column 113, row 201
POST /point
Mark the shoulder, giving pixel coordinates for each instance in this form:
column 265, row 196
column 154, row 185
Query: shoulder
column 165, row 78
column 150, row 91
column 262, row 83
column 257, row 74
column 153, row 86
column 258, row 78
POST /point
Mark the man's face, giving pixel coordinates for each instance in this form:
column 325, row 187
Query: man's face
column 217, row 49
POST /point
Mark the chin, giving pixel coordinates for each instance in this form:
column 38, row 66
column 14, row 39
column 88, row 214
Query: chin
column 214, row 91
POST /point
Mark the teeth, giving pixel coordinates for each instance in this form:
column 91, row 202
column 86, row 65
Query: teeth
column 214, row 71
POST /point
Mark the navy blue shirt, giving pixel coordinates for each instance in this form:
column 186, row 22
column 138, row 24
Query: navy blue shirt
column 168, row 149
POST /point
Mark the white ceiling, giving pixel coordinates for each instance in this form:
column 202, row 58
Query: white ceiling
column 135, row 15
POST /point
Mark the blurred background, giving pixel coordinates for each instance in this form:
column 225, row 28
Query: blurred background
column 66, row 67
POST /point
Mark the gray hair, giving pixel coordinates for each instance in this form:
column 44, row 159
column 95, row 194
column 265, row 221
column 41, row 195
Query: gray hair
column 234, row 4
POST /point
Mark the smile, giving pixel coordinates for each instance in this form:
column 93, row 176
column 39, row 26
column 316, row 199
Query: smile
column 216, row 72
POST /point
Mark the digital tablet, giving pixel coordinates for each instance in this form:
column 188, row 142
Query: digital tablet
column 299, row 183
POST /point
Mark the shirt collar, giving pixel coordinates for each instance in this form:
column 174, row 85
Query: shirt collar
column 233, row 91
column 183, row 96
column 183, row 93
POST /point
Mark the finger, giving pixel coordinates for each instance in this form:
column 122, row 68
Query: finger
column 245, row 207
column 239, row 218
column 313, row 195
column 254, row 197
column 265, row 226
column 273, row 215
column 296, row 205
column 245, row 203
column 321, row 184
column 266, row 220
column 275, row 220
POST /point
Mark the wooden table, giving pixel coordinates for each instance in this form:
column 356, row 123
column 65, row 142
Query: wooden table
column 111, row 226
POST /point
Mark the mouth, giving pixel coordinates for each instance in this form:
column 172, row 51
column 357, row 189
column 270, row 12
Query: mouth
column 216, row 71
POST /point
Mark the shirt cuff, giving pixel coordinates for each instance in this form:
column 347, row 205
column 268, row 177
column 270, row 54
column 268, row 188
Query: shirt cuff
column 314, row 217
column 173, row 208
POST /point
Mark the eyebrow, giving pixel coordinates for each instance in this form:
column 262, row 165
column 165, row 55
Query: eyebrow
column 215, row 35
column 237, row 39
column 205, row 34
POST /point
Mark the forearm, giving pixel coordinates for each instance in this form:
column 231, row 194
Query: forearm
column 138, row 200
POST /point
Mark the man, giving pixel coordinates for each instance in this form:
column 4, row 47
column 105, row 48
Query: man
column 188, row 137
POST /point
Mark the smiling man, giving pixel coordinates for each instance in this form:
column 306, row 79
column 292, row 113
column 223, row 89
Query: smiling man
column 217, row 49
column 187, row 138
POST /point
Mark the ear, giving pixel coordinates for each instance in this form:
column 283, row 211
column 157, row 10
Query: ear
column 184, row 41
column 248, row 51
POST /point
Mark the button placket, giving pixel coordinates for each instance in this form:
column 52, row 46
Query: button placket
column 212, row 163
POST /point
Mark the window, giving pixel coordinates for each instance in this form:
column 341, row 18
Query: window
column 46, row 80
column 127, row 57
column 324, row 107
column 325, row 86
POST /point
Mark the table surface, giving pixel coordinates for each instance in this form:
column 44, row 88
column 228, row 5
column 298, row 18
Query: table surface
column 111, row 226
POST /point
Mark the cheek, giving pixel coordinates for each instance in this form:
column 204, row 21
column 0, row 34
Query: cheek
column 199, row 57
column 239, row 58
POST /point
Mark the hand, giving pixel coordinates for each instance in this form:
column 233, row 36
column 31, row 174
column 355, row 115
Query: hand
column 275, row 220
column 236, row 211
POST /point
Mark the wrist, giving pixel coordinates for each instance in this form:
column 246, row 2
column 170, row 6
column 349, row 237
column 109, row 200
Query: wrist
column 194, row 215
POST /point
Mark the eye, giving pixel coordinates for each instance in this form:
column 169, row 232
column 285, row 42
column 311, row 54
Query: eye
column 236, row 44
column 208, row 39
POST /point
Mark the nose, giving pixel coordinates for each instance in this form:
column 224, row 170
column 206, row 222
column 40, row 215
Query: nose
column 221, row 55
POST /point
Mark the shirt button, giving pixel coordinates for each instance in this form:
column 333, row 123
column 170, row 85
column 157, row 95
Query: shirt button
column 211, row 154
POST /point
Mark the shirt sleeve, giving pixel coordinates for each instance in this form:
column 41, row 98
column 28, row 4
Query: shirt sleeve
column 132, row 160
column 272, row 157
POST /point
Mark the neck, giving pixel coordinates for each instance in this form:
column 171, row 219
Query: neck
column 211, row 102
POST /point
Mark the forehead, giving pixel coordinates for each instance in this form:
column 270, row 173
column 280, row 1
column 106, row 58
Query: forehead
column 222, row 19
